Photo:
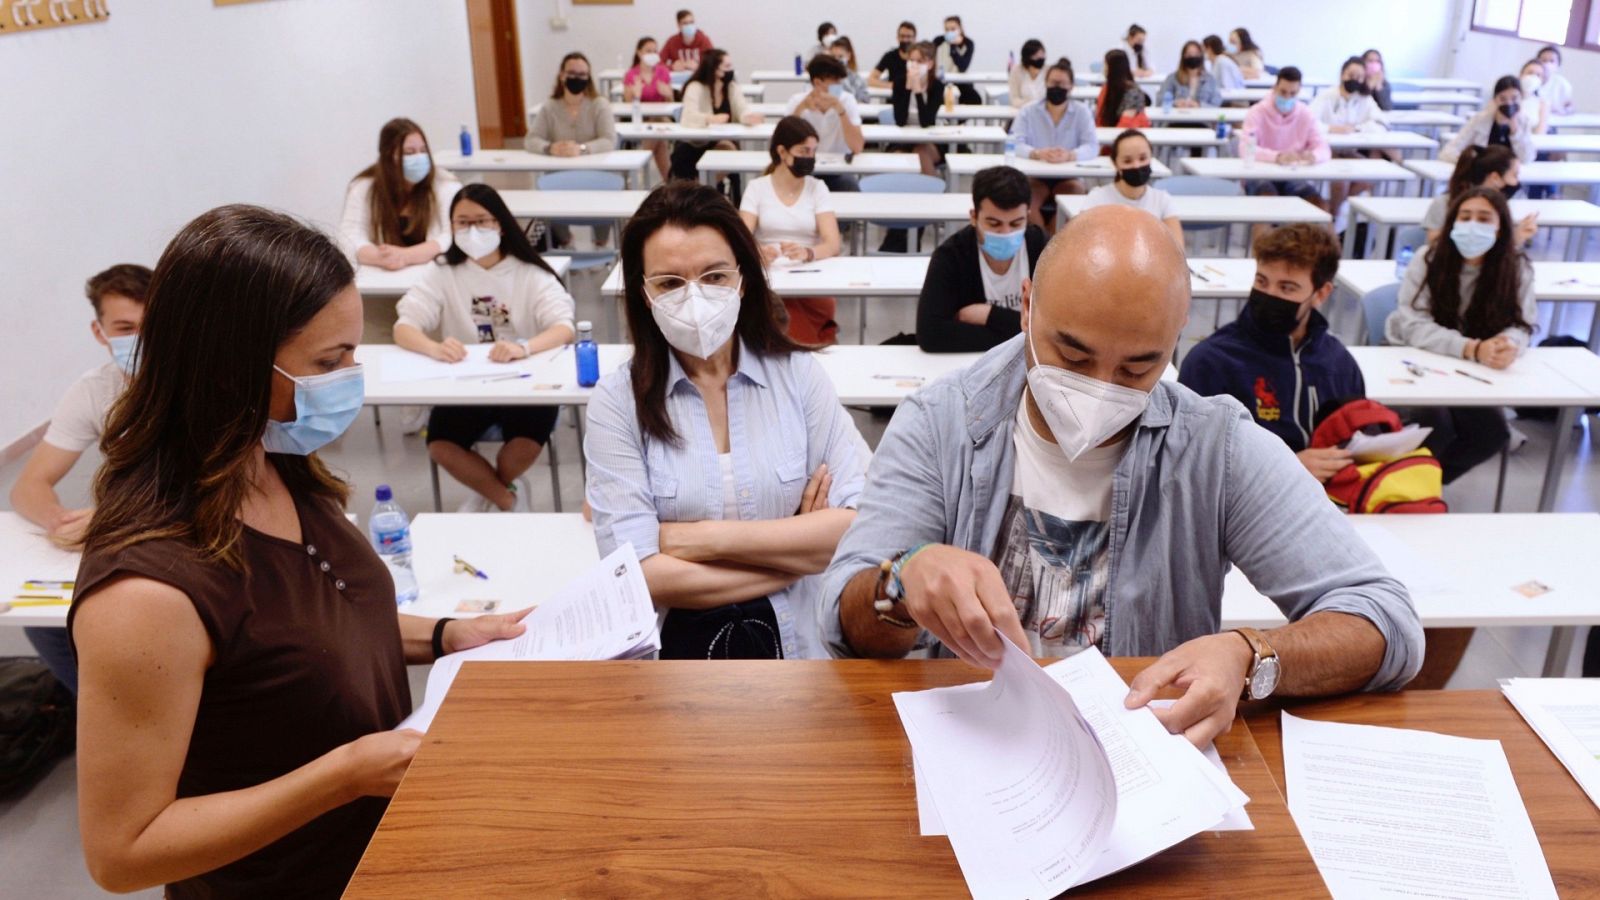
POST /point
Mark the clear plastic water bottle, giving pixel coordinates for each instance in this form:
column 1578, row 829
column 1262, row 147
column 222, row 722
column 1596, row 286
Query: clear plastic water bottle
column 1011, row 149
column 1011, row 61
column 588, row 354
column 390, row 530
column 638, row 110
column 466, row 141
column 1247, row 146
column 1402, row 260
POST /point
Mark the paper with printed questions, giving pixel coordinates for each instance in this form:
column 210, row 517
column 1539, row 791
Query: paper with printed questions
column 1046, row 781
column 401, row 366
column 605, row 613
column 1393, row 812
column 1565, row 713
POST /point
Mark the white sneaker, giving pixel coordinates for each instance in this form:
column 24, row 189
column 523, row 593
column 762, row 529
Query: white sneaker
column 414, row 418
column 524, row 492
column 1518, row 440
column 477, row 503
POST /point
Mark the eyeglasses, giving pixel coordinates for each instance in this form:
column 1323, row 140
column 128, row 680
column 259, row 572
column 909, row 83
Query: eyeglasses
column 485, row 224
column 661, row 285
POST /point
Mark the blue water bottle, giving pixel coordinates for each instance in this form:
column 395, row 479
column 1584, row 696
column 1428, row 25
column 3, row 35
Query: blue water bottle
column 466, row 141
column 390, row 531
column 1401, row 261
column 588, row 356
column 798, row 64
column 1222, row 128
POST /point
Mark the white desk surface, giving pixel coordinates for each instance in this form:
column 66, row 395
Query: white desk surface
column 1334, row 170
column 1421, row 118
column 1576, row 120
column 679, row 79
column 1382, row 140
column 375, row 283
column 27, row 555
column 938, row 134
column 1200, row 115
column 977, row 76
column 527, row 556
column 848, row 205
column 885, row 375
column 1212, row 210
column 598, row 205
column 1247, row 94
column 1567, row 142
column 871, row 131
column 870, row 111
column 1452, row 99
column 675, row 131
column 624, row 161
column 755, row 161
column 1427, row 83
column 1463, row 569
column 960, row 164
column 1410, row 210
column 1543, row 376
column 1553, row 280
column 617, row 75
column 856, row 206
column 1531, row 172
column 624, row 110
column 1167, row 137
column 837, row 276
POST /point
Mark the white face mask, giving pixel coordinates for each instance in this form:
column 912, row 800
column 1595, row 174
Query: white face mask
column 477, row 242
column 1531, row 84
column 828, row 39
column 650, row 59
column 697, row 319
column 1082, row 412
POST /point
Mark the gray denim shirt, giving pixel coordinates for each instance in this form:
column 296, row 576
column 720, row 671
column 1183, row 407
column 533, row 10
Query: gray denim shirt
column 1199, row 488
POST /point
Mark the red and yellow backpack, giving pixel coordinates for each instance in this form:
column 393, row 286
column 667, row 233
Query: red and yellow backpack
column 1410, row 484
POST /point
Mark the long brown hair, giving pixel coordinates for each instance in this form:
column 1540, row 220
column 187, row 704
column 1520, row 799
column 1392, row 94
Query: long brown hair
column 689, row 204
column 179, row 444
column 1496, row 302
column 1476, row 164
column 790, row 132
column 391, row 195
column 1185, row 76
column 561, row 88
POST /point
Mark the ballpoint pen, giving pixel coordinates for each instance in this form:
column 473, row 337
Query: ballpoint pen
column 512, row 377
column 1196, row 274
column 1473, row 377
column 469, row 569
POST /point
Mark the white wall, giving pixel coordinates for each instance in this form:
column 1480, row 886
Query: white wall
column 1316, row 37
column 1486, row 57
column 114, row 135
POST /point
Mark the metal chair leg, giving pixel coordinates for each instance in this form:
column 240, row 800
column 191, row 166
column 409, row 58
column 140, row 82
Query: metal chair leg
column 433, row 473
column 1500, row 486
column 555, row 471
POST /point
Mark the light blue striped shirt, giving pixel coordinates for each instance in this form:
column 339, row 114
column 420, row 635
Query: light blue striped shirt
column 784, row 420
column 1035, row 130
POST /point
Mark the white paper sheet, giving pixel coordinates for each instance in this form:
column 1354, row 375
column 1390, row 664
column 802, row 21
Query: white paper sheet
column 1369, row 448
column 606, row 613
column 401, row 366
column 1391, row 812
column 1565, row 713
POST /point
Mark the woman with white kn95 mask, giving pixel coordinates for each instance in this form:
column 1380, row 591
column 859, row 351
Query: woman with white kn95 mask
column 720, row 452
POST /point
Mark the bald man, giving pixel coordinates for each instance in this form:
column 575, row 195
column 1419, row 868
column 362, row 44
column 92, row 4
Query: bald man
column 1060, row 493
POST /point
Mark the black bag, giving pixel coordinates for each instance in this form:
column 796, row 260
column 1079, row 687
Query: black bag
column 38, row 721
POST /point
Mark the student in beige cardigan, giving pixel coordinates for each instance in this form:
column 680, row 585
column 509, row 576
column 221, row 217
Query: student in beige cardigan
column 711, row 97
column 576, row 120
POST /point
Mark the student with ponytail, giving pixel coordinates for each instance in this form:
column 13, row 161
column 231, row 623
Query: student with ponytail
column 1496, row 168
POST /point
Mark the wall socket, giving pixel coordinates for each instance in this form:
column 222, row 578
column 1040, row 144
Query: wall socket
column 558, row 23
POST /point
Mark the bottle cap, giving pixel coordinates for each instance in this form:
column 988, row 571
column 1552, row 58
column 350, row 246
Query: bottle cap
column 384, row 494
column 585, row 325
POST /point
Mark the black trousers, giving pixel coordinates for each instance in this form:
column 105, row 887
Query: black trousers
column 747, row 630
column 1463, row 437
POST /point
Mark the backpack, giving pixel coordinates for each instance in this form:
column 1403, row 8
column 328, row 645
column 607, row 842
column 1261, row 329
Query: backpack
column 1412, row 483
column 37, row 723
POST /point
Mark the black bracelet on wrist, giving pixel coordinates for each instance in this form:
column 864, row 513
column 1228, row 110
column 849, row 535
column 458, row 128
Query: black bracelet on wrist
column 438, row 637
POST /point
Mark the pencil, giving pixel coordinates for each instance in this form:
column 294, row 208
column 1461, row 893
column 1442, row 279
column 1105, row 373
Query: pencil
column 1474, row 377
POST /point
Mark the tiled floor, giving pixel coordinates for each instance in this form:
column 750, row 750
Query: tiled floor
column 40, row 856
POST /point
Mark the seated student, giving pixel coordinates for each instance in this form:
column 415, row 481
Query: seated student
column 711, row 97
column 921, row 87
column 394, row 211
column 576, row 120
column 1059, row 491
column 1190, row 85
column 1278, row 359
column 720, row 451
column 687, row 44
column 1469, row 297
column 1245, row 52
column 1377, row 79
column 1502, row 121
column 1131, row 154
column 1531, row 78
column 792, row 218
column 826, row 35
column 1286, row 133
column 971, row 298
column 1557, row 90
column 832, row 111
column 1347, row 108
column 1496, row 168
column 1026, row 81
column 953, row 53
column 1221, row 65
column 242, row 664
column 1132, row 44
column 491, row 288
column 1054, row 129
column 1121, row 101
column 854, row 85
column 648, row 81
column 890, row 72
column 118, row 296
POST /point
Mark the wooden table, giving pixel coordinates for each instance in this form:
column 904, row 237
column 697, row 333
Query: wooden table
column 730, row 779
column 1563, row 817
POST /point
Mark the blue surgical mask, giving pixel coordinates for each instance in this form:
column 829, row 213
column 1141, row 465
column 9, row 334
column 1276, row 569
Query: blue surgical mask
column 1474, row 239
column 952, row 36
column 123, row 350
column 1285, row 105
column 324, row 406
column 1003, row 247
column 836, row 90
column 690, row 30
column 415, row 166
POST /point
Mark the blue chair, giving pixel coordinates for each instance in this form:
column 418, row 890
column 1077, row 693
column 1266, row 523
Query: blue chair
column 886, row 116
column 1203, row 186
column 905, row 183
column 1375, row 309
column 1413, row 236
column 578, row 180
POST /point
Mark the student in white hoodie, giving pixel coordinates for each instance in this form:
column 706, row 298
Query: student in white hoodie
column 491, row 287
column 1348, row 108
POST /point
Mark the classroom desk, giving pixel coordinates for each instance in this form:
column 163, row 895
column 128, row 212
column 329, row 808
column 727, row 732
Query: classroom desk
column 961, row 112
column 732, row 779
column 28, row 555
column 1247, row 94
column 1235, row 169
column 761, row 133
column 1428, row 121
column 1564, row 378
column 527, row 556
column 1464, row 570
column 374, row 283
column 959, row 165
column 1387, row 213
column 754, row 162
column 1451, row 100
column 1399, row 140
column 628, row 163
column 977, row 76
column 1564, row 818
column 1201, row 210
column 1562, row 142
column 1435, row 174
column 612, row 78
column 1429, row 83
column 1197, row 115
column 1553, row 281
column 1205, row 138
column 623, row 111
column 1582, row 121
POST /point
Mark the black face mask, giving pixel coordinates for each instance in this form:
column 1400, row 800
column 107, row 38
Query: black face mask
column 1138, row 176
column 904, row 46
column 1137, row 48
column 727, row 77
column 1037, row 62
column 576, row 85
column 1056, row 96
column 1355, row 86
column 1510, row 190
column 1192, row 62
column 1510, row 110
column 1273, row 315
column 802, row 166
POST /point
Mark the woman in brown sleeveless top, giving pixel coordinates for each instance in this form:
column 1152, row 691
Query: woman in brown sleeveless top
column 242, row 661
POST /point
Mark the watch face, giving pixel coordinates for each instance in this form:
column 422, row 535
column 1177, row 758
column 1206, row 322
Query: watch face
column 1265, row 678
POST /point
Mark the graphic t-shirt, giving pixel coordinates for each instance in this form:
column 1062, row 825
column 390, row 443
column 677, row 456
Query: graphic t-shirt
column 1053, row 540
column 1004, row 291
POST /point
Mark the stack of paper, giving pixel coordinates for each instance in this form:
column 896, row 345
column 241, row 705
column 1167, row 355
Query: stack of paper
column 1046, row 781
column 1371, row 448
column 1565, row 713
column 1391, row 812
column 402, row 366
column 605, row 613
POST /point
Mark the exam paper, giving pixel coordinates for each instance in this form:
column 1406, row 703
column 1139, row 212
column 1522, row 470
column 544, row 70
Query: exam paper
column 1370, row 448
column 605, row 613
column 1392, row 812
column 407, row 366
column 1565, row 713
